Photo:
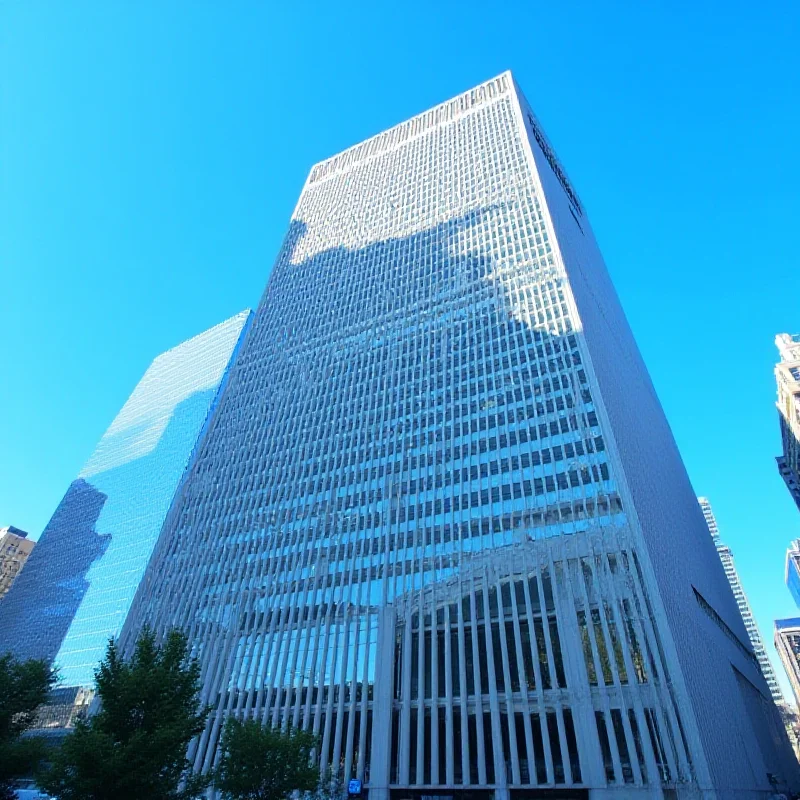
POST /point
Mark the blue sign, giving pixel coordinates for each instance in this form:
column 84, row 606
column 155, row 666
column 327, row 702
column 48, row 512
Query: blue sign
column 354, row 787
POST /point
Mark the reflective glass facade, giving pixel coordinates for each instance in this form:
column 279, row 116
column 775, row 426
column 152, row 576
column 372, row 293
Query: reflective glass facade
column 793, row 571
column 79, row 582
column 439, row 518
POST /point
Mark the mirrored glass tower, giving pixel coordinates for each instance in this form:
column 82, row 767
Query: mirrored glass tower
column 79, row 582
column 440, row 518
column 792, row 572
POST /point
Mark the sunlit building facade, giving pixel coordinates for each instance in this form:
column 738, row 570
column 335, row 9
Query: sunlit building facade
column 439, row 518
column 787, row 643
column 15, row 547
column 78, row 584
column 787, row 377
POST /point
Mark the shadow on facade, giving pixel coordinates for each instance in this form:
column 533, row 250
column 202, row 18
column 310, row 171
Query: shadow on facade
column 454, row 310
column 416, row 367
column 36, row 614
column 93, row 551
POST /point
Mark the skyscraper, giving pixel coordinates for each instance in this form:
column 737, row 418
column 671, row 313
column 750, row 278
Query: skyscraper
column 15, row 547
column 726, row 557
column 787, row 376
column 788, row 712
column 78, row 584
column 793, row 570
column 787, row 643
column 440, row 518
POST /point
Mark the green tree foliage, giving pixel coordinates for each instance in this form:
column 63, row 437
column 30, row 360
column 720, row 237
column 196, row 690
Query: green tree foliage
column 261, row 763
column 24, row 686
column 134, row 747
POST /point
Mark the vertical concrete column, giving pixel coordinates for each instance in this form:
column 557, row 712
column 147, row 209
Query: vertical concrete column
column 591, row 757
column 433, row 745
column 404, row 744
column 382, row 706
column 451, row 749
column 500, row 777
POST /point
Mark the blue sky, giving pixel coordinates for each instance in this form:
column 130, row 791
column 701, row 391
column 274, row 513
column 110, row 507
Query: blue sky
column 151, row 154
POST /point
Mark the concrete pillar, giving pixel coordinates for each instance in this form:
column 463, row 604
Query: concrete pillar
column 382, row 706
column 591, row 757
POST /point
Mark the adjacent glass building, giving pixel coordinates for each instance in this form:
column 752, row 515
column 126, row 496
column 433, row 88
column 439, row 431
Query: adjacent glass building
column 726, row 557
column 79, row 582
column 439, row 517
column 793, row 570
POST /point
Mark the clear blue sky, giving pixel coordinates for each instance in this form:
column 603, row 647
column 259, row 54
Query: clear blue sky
column 151, row 153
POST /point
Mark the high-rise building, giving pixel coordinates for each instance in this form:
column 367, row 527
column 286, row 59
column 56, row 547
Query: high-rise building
column 787, row 643
column 80, row 581
column 787, row 711
column 439, row 517
column 726, row 557
column 787, row 376
column 15, row 547
column 793, row 570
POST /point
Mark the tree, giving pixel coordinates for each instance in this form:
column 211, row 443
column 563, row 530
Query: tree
column 262, row 763
column 24, row 686
column 134, row 747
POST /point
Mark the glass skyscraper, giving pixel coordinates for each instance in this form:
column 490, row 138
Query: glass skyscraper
column 787, row 631
column 792, row 574
column 81, row 578
column 439, row 517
